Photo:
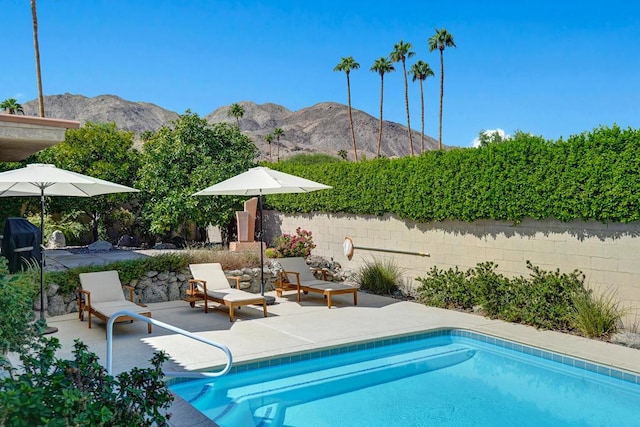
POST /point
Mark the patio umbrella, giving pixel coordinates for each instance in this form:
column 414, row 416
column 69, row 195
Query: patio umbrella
column 257, row 182
column 47, row 180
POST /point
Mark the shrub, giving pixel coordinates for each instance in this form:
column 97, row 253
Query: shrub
column 490, row 288
column 57, row 392
column 229, row 260
column 596, row 317
column 271, row 253
column 445, row 289
column 69, row 223
column 550, row 297
column 17, row 292
column 294, row 245
column 380, row 277
column 544, row 300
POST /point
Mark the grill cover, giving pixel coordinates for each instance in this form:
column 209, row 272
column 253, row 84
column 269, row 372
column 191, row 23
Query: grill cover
column 20, row 243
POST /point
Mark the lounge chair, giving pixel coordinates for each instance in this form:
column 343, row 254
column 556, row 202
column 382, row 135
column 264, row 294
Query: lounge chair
column 101, row 295
column 209, row 283
column 297, row 275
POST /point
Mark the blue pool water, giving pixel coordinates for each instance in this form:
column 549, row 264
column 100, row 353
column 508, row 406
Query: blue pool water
column 443, row 378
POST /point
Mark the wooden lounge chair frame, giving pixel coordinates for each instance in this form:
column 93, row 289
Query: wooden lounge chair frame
column 231, row 297
column 105, row 289
column 297, row 275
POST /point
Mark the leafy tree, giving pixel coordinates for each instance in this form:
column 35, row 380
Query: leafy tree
column 269, row 139
column 236, row 110
column 441, row 40
column 11, row 106
column 420, row 71
column 381, row 66
column 278, row 132
column 99, row 150
column 402, row 51
column 11, row 206
column 36, row 48
column 183, row 158
column 485, row 138
column 347, row 64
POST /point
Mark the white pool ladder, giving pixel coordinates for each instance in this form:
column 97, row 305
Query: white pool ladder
column 172, row 328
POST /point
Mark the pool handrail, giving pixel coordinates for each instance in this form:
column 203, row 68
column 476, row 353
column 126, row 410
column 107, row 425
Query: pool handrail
column 172, row 328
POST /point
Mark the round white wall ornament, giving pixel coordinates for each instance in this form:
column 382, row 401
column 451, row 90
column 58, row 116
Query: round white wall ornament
column 348, row 247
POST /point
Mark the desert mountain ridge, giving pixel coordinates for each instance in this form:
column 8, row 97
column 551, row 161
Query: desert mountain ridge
column 321, row 128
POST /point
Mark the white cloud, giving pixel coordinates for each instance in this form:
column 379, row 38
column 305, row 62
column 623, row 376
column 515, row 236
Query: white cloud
column 18, row 96
column 476, row 142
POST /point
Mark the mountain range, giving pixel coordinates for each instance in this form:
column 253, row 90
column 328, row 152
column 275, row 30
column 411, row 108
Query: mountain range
column 321, row 128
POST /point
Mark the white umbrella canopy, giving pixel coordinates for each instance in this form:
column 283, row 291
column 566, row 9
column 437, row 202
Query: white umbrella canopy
column 40, row 179
column 262, row 180
column 257, row 182
column 47, row 180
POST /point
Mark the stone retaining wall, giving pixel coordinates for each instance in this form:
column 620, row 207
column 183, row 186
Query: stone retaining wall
column 155, row 286
column 164, row 286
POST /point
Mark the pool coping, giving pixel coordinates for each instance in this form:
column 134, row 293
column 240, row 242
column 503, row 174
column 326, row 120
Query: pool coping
column 524, row 348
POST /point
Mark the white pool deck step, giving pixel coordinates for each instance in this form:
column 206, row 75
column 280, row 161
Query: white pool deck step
column 293, row 327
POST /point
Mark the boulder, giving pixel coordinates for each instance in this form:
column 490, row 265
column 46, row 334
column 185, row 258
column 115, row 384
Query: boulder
column 100, row 246
column 56, row 240
column 127, row 241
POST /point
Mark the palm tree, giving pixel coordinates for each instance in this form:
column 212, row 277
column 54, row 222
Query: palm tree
column 11, row 106
column 402, row 51
column 441, row 40
column 269, row 138
column 347, row 64
column 278, row 132
column 381, row 66
column 420, row 71
column 36, row 47
column 236, row 110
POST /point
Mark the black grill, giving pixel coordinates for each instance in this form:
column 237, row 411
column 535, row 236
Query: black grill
column 20, row 244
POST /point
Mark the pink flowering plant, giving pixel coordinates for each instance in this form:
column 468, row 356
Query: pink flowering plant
column 294, row 245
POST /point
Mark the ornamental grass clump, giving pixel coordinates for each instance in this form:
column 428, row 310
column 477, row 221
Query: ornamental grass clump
column 596, row 316
column 380, row 277
column 294, row 245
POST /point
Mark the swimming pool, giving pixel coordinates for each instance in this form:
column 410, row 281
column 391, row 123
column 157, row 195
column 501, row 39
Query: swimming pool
column 443, row 378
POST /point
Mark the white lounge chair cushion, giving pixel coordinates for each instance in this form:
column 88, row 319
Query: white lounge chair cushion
column 103, row 285
column 218, row 286
column 324, row 285
column 232, row 295
column 211, row 273
column 299, row 265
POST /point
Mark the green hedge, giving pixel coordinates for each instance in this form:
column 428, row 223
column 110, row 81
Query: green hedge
column 591, row 176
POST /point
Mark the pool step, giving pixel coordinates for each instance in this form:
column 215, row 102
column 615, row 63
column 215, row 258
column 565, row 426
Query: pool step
column 267, row 399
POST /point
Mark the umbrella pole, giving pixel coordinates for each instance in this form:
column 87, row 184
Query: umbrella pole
column 269, row 299
column 261, row 251
column 41, row 254
column 49, row 329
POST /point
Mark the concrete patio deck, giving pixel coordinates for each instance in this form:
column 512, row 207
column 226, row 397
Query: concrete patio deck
column 296, row 327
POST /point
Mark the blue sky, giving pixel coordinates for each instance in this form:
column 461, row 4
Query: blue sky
column 552, row 68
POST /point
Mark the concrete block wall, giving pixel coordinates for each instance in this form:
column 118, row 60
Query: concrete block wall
column 607, row 254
